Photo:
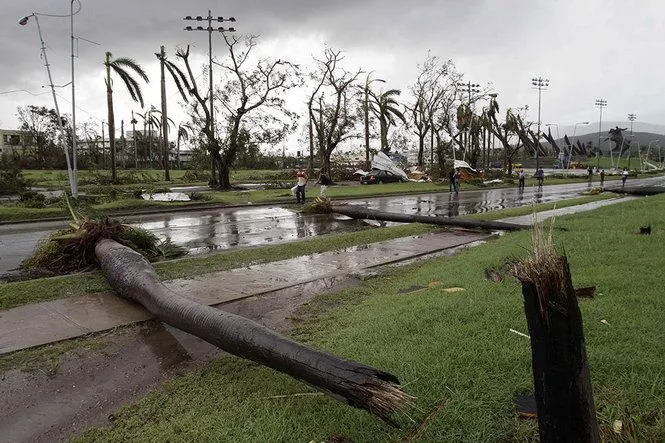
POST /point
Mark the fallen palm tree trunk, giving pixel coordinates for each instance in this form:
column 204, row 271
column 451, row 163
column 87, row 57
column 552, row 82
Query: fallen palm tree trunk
column 561, row 376
column 360, row 212
column 359, row 385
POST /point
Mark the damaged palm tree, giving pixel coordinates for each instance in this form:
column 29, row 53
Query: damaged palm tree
column 73, row 250
column 359, row 385
column 561, row 376
column 123, row 252
column 324, row 205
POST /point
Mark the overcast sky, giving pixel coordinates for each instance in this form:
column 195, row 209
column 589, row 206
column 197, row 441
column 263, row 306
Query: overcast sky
column 588, row 49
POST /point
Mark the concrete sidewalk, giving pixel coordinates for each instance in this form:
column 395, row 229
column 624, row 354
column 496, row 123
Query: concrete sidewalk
column 41, row 323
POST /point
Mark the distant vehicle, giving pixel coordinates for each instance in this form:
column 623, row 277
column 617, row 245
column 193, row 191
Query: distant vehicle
column 379, row 176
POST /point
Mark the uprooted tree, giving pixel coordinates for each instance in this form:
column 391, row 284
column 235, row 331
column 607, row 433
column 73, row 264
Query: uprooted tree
column 505, row 132
column 113, row 246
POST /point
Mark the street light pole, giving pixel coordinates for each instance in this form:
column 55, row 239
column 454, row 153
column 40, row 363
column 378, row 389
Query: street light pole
column 210, row 30
column 540, row 84
column 570, row 157
column 23, row 22
column 74, row 155
column 471, row 88
column 600, row 104
column 631, row 118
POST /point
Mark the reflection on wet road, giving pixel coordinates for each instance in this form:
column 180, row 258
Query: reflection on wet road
column 225, row 228
column 240, row 227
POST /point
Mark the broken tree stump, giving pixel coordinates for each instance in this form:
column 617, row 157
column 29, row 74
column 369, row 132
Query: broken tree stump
column 561, row 377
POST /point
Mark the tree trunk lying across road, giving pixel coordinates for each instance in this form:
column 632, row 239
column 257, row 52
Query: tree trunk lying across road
column 355, row 211
column 359, row 385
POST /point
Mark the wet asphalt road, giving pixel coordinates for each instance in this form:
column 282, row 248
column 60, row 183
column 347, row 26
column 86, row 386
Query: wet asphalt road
column 225, row 228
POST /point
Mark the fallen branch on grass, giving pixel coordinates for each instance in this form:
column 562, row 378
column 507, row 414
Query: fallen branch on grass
column 359, row 385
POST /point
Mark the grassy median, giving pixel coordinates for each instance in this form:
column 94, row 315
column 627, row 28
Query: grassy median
column 453, row 350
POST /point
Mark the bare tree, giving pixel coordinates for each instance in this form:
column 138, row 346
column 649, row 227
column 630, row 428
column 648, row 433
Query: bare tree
column 257, row 90
column 335, row 118
column 506, row 132
column 429, row 92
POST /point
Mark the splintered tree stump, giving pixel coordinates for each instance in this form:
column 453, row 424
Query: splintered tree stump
column 562, row 381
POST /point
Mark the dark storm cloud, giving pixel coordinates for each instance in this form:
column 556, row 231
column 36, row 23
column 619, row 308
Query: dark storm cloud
column 576, row 44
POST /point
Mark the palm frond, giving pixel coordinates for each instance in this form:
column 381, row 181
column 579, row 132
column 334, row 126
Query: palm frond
column 130, row 83
column 179, row 79
column 124, row 62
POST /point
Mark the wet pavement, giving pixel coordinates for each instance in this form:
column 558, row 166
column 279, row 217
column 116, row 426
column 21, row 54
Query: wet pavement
column 225, row 228
column 40, row 323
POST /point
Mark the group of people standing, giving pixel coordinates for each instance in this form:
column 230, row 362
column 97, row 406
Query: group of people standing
column 301, row 183
column 521, row 178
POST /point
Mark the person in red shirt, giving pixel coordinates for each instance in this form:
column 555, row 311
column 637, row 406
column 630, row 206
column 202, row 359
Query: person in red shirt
column 301, row 176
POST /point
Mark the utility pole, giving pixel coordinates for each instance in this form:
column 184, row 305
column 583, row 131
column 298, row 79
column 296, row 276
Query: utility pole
column 75, row 191
column 72, row 185
column 475, row 89
column 540, row 84
column 136, row 159
column 123, row 144
column 210, row 30
column 600, row 104
column 631, row 118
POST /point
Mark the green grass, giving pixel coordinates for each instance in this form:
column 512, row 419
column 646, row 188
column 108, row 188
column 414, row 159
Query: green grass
column 20, row 293
column 451, row 347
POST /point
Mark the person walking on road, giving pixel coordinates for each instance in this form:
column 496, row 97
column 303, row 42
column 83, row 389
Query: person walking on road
column 602, row 178
column 457, row 176
column 301, row 176
column 451, row 179
column 540, row 175
column 521, row 176
column 624, row 177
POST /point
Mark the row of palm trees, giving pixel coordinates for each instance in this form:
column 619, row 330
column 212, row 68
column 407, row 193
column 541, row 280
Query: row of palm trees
column 130, row 72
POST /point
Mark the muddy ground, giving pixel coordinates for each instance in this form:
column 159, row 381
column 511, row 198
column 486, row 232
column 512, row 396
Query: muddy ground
column 58, row 396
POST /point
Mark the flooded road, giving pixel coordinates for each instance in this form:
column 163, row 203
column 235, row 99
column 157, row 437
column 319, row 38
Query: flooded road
column 225, row 228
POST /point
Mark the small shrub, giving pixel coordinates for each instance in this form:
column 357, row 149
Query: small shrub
column 12, row 180
column 199, row 196
column 32, row 199
column 196, row 175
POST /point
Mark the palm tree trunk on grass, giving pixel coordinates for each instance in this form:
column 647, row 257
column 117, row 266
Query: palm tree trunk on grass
column 360, row 212
column 359, row 385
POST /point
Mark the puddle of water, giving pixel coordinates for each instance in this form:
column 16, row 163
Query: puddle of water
column 167, row 197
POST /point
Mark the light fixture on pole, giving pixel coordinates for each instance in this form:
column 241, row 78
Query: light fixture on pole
column 600, row 104
column 23, row 22
column 540, row 84
column 210, row 30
